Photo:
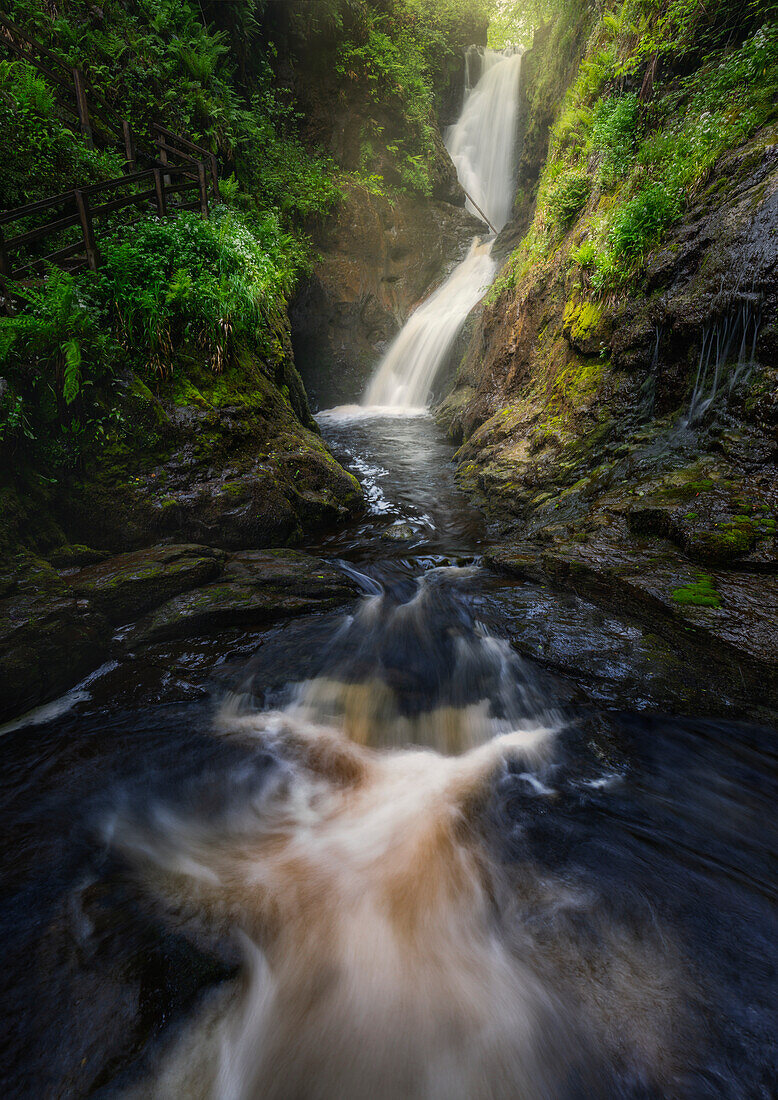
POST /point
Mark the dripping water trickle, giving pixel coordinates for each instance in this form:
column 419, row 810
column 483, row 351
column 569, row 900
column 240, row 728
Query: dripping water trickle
column 716, row 376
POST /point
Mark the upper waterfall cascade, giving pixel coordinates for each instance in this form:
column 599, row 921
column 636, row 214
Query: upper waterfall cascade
column 483, row 147
column 482, row 143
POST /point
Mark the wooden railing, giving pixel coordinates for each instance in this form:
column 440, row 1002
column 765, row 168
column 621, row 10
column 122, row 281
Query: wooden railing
column 96, row 118
column 160, row 190
column 172, row 148
column 175, row 165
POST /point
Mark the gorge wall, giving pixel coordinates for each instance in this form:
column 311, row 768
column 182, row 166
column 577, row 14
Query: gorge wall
column 616, row 408
column 387, row 243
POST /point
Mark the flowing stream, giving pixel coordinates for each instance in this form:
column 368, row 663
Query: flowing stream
column 378, row 853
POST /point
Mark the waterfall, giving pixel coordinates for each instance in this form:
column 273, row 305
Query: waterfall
column 407, row 371
column 482, row 143
column 482, row 146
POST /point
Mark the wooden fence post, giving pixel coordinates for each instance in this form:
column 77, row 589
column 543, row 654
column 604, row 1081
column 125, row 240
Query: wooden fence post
column 163, row 157
column 83, row 107
column 92, row 253
column 129, row 146
column 203, row 189
column 159, row 187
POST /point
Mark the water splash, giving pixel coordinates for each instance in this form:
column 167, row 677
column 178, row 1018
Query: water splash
column 373, row 965
column 385, row 951
column 422, row 671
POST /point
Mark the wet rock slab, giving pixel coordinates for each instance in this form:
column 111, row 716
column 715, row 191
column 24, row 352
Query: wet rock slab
column 57, row 627
column 126, row 586
column 726, row 619
column 49, row 637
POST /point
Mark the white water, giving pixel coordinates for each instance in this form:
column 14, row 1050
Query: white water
column 482, row 143
column 407, row 371
column 483, row 147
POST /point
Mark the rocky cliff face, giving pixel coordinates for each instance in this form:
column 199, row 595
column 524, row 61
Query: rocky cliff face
column 626, row 442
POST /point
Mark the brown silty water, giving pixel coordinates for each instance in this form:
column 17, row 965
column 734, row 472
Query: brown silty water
column 385, row 952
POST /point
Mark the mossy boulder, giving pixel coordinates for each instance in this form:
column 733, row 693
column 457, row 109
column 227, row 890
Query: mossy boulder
column 231, row 460
column 255, row 588
column 124, row 587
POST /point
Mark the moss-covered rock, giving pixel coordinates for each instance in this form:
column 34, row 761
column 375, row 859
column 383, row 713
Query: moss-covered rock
column 126, row 586
column 254, row 588
column 231, row 460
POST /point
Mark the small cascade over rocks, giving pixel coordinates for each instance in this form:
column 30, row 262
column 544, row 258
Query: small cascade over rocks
column 483, row 148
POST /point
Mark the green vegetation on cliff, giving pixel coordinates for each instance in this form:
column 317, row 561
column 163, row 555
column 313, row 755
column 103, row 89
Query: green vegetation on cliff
column 664, row 87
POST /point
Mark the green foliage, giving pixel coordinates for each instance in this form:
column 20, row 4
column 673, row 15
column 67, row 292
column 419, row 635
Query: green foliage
column 172, row 282
column 276, row 170
column 567, row 197
column 157, row 60
column 650, row 158
column 674, row 30
column 52, row 356
column 614, row 129
column 40, row 154
column 395, row 71
column 514, row 21
column 210, row 283
column 585, row 256
column 640, row 222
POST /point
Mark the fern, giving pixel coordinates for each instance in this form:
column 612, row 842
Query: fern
column 72, row 383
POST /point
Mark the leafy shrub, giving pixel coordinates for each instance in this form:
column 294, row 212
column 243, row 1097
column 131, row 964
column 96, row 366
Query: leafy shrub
column 210, row 283
column 396, row 70
column 40, row 154
column 171, row 282
column 572, row 130
column 639, row 224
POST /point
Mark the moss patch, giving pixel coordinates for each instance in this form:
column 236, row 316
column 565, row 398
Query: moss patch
column 582, row 320
column 699, row 593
